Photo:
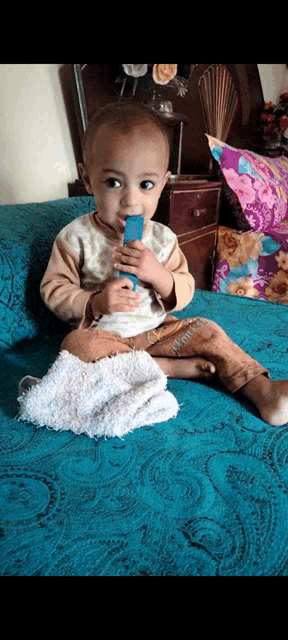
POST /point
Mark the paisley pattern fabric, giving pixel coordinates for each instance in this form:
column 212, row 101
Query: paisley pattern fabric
column 204, row 494
column 27, row 233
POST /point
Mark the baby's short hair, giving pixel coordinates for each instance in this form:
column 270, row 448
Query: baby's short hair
column 124, row 117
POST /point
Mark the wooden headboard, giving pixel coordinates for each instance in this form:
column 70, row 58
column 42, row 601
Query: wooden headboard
column 96, row 83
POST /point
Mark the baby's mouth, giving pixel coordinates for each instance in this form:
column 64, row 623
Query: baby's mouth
column 122, row 219
column 122, row 222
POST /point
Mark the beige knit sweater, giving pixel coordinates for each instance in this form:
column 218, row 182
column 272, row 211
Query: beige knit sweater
column 81, row 264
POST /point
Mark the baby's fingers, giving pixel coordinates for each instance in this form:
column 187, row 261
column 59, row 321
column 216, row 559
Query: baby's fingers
column 124, row 282
column 127, row 304
column 130, row 296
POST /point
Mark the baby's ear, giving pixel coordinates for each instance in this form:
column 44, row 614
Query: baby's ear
column 85, row 177
column 168, row 174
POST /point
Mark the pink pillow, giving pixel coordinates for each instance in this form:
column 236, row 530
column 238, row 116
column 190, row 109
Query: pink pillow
column 260, row 184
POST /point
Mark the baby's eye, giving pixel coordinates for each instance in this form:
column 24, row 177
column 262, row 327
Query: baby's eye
column 113, row 183
column 147, row 184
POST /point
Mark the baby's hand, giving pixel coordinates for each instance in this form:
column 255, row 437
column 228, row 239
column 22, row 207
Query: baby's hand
column 137, row 259
column 115, row 297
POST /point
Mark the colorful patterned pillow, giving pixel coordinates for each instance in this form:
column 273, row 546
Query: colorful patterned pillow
column 260, row 184
column 253, row 264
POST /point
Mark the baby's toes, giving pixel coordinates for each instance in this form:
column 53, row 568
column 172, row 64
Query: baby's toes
column 207, row 368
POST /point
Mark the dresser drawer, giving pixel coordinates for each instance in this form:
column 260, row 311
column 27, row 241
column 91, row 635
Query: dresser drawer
column 199, row 252
column 190, row 210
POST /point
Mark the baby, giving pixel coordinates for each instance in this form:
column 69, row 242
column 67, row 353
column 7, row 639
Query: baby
column 126, row 150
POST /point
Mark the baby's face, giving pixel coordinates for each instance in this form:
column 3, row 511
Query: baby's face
column 127, row 174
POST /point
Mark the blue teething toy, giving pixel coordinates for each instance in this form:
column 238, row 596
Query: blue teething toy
column 133, row 231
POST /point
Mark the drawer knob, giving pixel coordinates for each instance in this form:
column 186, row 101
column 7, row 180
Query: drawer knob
column 195, row 213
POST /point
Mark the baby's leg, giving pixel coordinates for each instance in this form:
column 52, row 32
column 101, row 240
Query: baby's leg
column 235, row 368
column 89, row 345
column 183, row 340
column 193, row 348
column 193, row 368
column 270, row 398
column 160, row 341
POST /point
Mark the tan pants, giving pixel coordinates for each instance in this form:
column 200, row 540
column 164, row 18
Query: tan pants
column 175, row 338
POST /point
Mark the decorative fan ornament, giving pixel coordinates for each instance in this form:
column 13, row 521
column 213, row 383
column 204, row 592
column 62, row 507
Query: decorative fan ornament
column 219, row 100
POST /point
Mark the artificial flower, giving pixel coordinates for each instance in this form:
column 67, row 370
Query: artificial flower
column 163, row 73
column 135, row 70
column 267, row 117
column 283, row 123
column 274, row 125
column 268, row 105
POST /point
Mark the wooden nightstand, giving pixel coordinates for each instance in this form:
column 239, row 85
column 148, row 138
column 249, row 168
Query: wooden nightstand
column 189, row 205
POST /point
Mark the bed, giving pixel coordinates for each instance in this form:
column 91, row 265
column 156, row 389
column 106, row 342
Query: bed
column 203, row 494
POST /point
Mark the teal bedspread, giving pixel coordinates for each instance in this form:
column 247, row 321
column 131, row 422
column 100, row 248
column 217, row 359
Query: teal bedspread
column 204, row 494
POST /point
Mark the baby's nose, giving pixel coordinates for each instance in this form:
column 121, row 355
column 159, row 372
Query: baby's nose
column 130, row 198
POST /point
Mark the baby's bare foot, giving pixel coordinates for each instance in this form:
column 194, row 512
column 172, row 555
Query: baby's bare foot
column 270, row 398
column 187, row 368
column 274, row 409
column 201, row 368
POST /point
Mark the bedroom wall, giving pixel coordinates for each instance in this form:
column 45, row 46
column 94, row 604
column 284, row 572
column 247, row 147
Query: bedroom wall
column 274, row 80
column 36, row 153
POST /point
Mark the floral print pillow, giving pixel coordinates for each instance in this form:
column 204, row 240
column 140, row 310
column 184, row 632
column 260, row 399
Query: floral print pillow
column 253, row 264
column 260, row 184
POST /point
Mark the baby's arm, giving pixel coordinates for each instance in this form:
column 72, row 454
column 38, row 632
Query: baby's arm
column 60, row 287
column 61, row 290
column 184, row 283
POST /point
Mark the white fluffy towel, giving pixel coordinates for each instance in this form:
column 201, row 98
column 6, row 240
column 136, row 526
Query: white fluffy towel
column 110, row 397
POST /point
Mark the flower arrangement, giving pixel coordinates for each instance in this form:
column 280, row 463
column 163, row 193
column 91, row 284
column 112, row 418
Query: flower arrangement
column 274, row 125
column 156, row 78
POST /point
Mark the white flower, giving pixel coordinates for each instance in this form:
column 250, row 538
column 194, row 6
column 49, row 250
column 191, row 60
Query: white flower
column 135, row 70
